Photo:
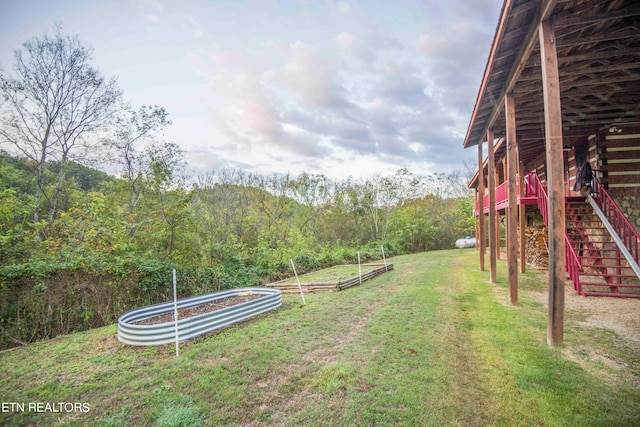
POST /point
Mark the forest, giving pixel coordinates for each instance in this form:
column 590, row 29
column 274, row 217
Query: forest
column 96, row 208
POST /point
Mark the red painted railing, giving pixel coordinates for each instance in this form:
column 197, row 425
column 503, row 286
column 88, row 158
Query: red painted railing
column 625, row 230
column 571, row 260
column 502, row 195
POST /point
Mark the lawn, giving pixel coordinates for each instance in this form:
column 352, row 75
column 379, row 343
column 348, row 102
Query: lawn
column 429, row 343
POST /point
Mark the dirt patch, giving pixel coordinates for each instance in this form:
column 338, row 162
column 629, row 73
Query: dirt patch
column 619, row 315
column 200, row 309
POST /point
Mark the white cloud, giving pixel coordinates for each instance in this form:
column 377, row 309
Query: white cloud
column 345, row 41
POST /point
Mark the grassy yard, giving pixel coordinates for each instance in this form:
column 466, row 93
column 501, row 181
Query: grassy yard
column 429, row 343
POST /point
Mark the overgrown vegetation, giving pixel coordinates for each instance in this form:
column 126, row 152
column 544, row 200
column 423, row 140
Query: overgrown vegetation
column 97, row 258
column 429, row 343
column 79, row 246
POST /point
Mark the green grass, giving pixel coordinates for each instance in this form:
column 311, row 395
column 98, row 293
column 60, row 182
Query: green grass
column 429, row 343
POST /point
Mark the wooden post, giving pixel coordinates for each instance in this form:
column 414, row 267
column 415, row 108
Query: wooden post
column 481, row 224
column 555, row 182
column 492, row 208
column 477, row 226
column 522, row 217
column 498, row 236
column 512, row 212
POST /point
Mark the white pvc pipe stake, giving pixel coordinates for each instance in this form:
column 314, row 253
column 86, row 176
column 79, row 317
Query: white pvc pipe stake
column 298, row 280
column 359, row 268
column 175, row 312
column 383, row 258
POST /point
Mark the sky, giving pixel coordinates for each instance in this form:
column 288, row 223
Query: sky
column 340, row 88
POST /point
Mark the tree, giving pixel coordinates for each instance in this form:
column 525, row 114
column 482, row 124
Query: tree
column 52, row 102
column 132, row 130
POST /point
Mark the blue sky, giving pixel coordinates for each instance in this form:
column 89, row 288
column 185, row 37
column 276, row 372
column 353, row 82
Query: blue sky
column 335, row 87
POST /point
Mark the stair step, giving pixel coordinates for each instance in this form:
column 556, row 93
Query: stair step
column 596, row 242
column 620, row 276
column 610, row 294
column 611, row 285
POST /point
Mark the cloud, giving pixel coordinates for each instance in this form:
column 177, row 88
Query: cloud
column 311, row 77
column 364, row 91
column 345, row 41
column 196, row 28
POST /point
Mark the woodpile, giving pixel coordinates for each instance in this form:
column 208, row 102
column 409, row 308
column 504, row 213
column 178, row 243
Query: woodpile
column 537, row 246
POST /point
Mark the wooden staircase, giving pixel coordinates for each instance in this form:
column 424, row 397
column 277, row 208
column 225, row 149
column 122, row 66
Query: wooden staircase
column 602, row 269
column 593, row 256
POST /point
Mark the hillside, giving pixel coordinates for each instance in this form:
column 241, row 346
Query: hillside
column 98, row 245
column 430, row 343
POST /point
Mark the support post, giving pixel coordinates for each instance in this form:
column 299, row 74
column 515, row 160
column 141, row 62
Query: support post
column 175, row 311
column 522, row 218
column 481, row 224
column 555, row 182
column 498, row 234
column 512, row 211
column 492, row 208
column 477, row 228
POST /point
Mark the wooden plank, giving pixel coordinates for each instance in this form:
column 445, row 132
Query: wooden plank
column 492, row 208
column 555, row 182
column 620, row 167
column 481, row 224
column 631, row 155
column 512, row 212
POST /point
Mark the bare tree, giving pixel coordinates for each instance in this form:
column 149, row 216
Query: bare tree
column 134, row 131
column 54, row 100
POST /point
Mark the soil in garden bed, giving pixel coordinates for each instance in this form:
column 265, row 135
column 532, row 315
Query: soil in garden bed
column 199, row 309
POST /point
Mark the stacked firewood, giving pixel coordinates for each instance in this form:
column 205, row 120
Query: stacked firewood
column 537, row 246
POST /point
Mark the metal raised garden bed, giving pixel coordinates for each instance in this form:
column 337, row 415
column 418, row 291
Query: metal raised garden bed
column 164, row 333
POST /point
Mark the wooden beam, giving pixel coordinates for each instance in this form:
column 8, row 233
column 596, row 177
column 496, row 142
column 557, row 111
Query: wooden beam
column 512, row 211
column 544, row 12
column 504, row 16
column 492, row 207
column 555, row 182
column 522, row 218
column 570, row 18
column 498, row 236
column 498, row 232
column 481, row 224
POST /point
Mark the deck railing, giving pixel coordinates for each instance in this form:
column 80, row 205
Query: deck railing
column 502, row 194
column 571, row 260
column 625, row 230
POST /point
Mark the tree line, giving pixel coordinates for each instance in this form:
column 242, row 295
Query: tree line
column 78, row 246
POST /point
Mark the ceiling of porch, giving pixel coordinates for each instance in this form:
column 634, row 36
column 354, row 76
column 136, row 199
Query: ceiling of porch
column 598, row 47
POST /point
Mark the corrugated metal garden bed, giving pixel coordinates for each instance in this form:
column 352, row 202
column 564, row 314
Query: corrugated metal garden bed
column 154, row 324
